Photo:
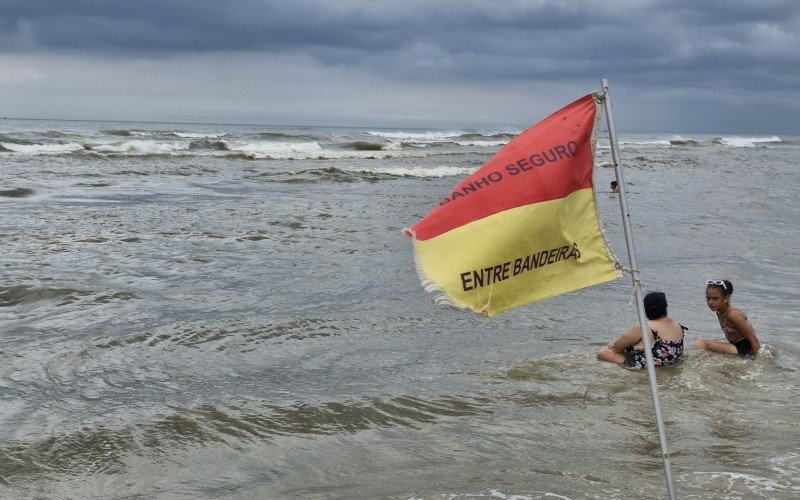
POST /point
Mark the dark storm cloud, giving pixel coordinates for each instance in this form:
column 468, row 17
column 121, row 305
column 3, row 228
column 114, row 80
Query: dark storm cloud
column 430, row 39
column 699, row 53
column 198, row 25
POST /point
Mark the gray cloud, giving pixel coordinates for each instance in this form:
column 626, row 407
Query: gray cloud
column 741, row 48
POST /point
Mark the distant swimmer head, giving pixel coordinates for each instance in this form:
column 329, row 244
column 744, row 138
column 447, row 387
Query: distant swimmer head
column 655, row 305
column 725, row 286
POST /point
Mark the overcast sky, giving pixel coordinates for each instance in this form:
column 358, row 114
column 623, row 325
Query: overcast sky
column 675, row 66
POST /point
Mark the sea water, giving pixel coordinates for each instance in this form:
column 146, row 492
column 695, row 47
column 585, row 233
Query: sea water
column 232, row 312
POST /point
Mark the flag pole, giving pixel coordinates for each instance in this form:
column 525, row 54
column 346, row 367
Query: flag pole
column 637, row 286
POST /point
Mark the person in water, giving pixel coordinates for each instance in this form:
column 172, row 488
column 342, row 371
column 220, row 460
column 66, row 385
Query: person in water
column 666, row 338
column 738, row 330
column 614, row 187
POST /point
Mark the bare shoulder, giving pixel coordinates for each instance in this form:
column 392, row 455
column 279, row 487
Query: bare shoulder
column 666, row 322
column 735, row 314
column 670, row 329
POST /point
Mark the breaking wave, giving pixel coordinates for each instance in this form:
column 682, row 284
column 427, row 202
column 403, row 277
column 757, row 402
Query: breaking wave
column 725, row 141
column 140, row 147
column 159, row 133
column 680, row 141
column 249, row 149
column 420, row 172
column 195, row 135
column 315, row 144
column 206, row 144
column 416, row 136
column 284, row 136
column 746, row 142
column 436, row 138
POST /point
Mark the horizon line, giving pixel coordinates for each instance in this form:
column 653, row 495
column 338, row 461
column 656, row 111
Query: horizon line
column 254, row 124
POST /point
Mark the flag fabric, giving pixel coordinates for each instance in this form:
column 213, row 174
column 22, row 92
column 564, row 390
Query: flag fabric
column 524, row 226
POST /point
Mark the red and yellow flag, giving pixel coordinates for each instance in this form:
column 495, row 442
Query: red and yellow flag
column 524, row 226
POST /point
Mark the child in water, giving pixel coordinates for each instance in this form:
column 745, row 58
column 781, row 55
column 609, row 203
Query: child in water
column 734, row 323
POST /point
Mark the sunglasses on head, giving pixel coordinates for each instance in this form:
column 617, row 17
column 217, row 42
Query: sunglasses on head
column 718, row 283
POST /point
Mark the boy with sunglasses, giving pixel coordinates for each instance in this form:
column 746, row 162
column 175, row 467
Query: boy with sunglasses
column 734, row 323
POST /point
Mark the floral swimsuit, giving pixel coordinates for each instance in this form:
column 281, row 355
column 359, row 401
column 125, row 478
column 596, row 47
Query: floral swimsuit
column 665, row 352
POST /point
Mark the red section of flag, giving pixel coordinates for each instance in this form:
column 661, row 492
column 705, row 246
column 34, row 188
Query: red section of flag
column 546, row 162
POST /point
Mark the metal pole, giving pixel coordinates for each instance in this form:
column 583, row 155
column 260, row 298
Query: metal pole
column 637, row 288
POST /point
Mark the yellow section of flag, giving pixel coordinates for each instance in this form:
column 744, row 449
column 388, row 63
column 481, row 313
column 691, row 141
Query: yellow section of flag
column 519, row 256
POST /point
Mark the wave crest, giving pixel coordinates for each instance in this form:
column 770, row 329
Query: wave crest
column 20, row 294
column 16, row 193
column 37, row 149
column 746, row 142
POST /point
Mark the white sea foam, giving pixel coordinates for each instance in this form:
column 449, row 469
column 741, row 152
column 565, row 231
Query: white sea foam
column 648, row 142
column 746, row 142
column 482, row 144
column 422, row 172
column 751, row 482
column 328, row 154
column 275, row 149
column 539, row 495
column 192, row 135
column 787, row 465
column 289, row 150
column 310, row 151
column 142, row 147
column 417, row 136
column 41, row 149
column 423, row 139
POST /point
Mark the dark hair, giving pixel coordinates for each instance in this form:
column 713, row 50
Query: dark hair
column 726, row 290
column 613, row 184
column 655, row 305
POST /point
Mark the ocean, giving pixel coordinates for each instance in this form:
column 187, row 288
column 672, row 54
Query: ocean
column 231, row 311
